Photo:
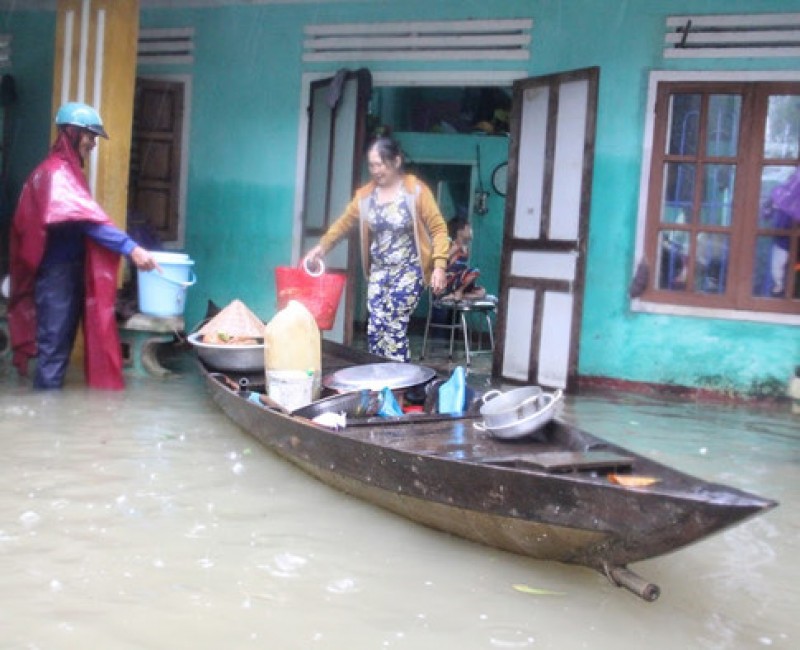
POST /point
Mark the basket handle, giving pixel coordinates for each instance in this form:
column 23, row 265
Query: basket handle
column 490, row 394
column 314, row 274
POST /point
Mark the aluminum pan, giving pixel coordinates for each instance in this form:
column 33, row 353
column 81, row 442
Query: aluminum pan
column 377, row 376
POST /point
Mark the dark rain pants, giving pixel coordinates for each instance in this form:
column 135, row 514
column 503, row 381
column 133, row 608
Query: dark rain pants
column 59, row 303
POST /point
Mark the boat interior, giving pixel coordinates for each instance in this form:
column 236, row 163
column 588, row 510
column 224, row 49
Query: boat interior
column 421, row 428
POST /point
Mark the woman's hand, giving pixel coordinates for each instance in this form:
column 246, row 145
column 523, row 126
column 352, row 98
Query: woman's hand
column 438, row 280
column 143, row 260
column 314, row 256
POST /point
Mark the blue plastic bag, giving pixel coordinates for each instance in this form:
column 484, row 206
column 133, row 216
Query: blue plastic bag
column 389, row 405
column 453, row 392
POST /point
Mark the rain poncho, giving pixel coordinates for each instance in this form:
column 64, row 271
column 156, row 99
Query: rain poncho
column 57, row 193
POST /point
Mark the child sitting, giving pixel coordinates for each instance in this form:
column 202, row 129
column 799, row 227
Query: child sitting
column 461, row 278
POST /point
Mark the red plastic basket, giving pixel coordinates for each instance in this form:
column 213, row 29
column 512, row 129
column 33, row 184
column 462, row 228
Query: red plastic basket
column 319, row 293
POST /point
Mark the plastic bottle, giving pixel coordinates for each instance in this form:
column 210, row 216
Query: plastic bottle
column 293, row 356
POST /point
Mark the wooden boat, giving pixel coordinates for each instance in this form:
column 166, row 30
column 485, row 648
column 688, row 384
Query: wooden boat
column 551, row 498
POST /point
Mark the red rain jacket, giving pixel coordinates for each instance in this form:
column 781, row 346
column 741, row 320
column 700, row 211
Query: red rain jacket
column 57, row 192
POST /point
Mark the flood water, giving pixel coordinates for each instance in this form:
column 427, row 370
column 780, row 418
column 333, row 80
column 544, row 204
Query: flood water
column 144, row 519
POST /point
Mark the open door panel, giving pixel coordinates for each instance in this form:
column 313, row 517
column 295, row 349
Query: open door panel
column 336, row 138
column 546, row 223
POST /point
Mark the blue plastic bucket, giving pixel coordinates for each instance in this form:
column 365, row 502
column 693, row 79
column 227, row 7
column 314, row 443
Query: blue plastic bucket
column 164, row 294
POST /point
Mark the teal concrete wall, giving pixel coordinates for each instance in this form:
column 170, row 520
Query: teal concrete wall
column 244, row 121
column 243, row 151
column 721, row 355
column 30, row 117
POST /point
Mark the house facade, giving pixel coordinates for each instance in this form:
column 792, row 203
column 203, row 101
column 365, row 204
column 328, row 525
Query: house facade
column 689, row 279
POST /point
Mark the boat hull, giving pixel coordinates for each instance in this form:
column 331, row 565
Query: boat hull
column 448, row 477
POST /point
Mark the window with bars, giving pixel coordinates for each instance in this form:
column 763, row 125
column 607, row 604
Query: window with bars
column 723, row 209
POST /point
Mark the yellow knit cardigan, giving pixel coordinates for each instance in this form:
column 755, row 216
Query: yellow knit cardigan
column 430, row 229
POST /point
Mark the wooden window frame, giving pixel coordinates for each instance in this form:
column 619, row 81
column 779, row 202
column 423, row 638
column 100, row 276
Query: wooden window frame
column 743, row 231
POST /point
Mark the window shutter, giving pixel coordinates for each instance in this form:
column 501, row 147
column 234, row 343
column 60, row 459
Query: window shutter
column 733, row 36
column 166, row 46
column 419, row 41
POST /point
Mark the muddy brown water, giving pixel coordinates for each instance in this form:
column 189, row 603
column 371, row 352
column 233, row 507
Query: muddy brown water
column 145, row 519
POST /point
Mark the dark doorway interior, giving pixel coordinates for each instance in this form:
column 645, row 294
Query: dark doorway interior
column 155, row 168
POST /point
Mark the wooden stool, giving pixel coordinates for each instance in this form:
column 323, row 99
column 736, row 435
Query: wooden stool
column 141, row 335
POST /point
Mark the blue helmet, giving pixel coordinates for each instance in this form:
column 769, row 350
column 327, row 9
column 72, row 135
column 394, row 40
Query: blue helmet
column 81, row 115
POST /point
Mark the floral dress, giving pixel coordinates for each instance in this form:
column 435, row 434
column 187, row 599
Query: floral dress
column 395, row 278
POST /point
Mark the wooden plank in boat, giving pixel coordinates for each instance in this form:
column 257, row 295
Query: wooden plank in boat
column 564, row 461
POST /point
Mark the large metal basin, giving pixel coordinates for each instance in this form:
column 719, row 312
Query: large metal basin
column 523, row 413
column 504, row 409
column 241, row 358
column 377, row 376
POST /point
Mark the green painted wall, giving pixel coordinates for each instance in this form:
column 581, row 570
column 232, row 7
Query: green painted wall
column 244, row 132
column 722, row 355
column 244, row 120
column 30, row 117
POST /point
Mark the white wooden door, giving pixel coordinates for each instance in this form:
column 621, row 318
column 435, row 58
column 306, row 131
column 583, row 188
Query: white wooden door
column 336, row 132
column 547, row 214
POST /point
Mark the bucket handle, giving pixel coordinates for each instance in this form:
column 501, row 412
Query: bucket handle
column 185, row 285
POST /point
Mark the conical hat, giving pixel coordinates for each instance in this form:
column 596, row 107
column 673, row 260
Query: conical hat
column 235, row 320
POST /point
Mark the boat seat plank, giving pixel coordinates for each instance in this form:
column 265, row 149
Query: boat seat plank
column 564, row 461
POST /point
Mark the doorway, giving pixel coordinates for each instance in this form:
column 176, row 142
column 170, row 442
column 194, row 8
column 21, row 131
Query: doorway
column 451, row 132
column 439, row 145
column 544, row 225
column 158, row 165
column 452, row 183
column 548, row 180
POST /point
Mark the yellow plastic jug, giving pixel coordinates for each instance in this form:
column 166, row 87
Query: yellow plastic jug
column 293, row 356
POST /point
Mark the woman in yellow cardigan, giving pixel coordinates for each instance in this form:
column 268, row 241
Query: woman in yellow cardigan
column 404, row 246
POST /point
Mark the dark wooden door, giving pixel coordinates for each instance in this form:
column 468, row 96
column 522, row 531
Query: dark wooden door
column 154, row 190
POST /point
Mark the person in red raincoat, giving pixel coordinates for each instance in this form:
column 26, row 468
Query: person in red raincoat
column 65, row 255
